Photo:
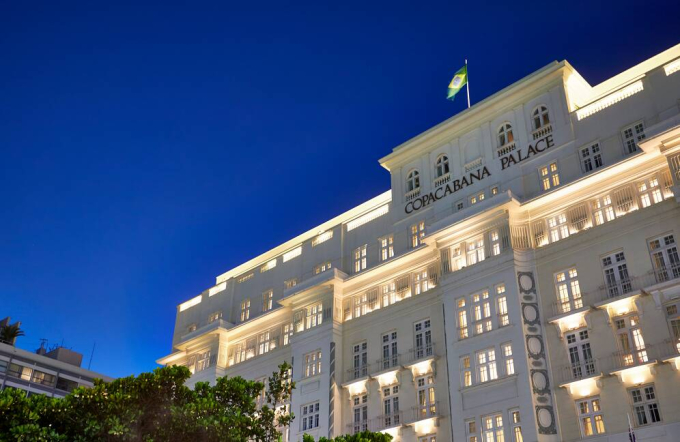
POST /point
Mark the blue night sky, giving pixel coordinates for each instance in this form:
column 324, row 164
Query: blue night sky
column 147, row 148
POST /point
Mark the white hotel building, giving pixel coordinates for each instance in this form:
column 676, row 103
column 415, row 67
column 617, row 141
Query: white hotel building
column 520, row 280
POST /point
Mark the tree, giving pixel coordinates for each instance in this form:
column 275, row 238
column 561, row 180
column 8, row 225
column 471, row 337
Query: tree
column 154, row 407
column 9, row 333
column 365, row 436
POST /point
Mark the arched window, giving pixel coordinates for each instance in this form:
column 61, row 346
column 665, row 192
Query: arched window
column 441, row 167
column 505, row 135
column 540, row 117
column 412, row 181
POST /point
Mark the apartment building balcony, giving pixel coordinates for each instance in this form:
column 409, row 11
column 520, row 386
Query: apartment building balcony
column 421, row 354
column 440, row 181
column 415, row 193
column 635, row 357
column 358, row 426
column 541, row 131
column 567, row 307
column 578, row 371
column 388, row 421
column 663, row 274
column 669, row 351
column 506, row 149
column 356, row 374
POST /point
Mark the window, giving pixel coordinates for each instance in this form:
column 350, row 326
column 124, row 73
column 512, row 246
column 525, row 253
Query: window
column 312, row 364
column 650, row 192
column 460, row 205
column 471, row 430
column 463, row 331
column 550, row 177
column 558, row 228
column 425, row 397
column 390, row 354
column 540, row 117
column 294, row 253
column 191, row 328
column 505, row 135
column 481, row 312
column 477, row 198
column 267, row 300
column 423, row 339
column 203, row 361
column 616, row 277
column 287, row 333
column 386, row 248
column 492, row 430
column 360, row 258
column 360, row 409
column 441, row 167
column 486, row 365
column 632, row 135
column 313, row 315
column 322, row 267
column 475, row 250
column 360, row 359
column 674, row 324
column 591, row 157
column 665, row 259
column 581, row 360
column 417, row 234
column 603, row 210
column 322, row 238
column 495, row 240
column 590, row 417
column 506, row 350
column 290, row 283
column 502, row 306
column 494, row 190
column 245, row 278
column 310, row 416
column 266, row 342
column 412, row 181
column 645, row 405
column 428, row 438
column 568, row 290
column 391, row 414
column 43, row 378
column 630, row 341
column 65, row 384
column 245, row 310
column 421, row 283
column 516, row 426
column 214, row 317
column 268, row 266
column 465, row 371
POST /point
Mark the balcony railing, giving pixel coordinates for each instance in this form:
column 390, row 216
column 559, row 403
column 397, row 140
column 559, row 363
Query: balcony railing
column 421, row 353
column 387, row 363
column 633, row 357
column 506, row 149
column 425, row 411
column 667, row 273
column 670, row 348
column 356, row 373
column 440, row 181
column 541, row 131
column 412, row 194
column 358, row 427
column 571, row 305
column 388, row 421
column 578, row 370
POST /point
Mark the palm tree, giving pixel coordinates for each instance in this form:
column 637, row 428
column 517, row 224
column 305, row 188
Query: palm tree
column 9, row 333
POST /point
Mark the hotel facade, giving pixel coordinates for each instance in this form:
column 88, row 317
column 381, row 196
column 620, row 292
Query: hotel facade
column 519, row 282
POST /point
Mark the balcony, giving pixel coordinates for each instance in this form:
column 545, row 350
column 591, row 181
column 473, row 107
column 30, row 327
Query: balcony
column 388, row 421
column 541, row 131
column 669, row 349
column 421, row 354
column 415, row 193
column 665, row 273
column 578, row 371
column 623, row 360
column 506, row 149
column 358, row 427
column 440, row 181
column 386, row 364
column 621, row 289
column 422, row 412
column 356, row 373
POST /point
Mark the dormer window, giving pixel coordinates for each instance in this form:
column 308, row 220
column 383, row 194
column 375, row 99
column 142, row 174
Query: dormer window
column 540, row 117
column 441, row 167
column 412, row 181
column 505, row 135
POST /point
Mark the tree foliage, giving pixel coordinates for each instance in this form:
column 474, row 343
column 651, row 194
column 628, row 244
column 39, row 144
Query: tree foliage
column 9, row 333
column 154, row 407
column 365, row 436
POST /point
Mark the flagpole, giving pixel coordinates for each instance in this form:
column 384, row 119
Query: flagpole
column 467, row 74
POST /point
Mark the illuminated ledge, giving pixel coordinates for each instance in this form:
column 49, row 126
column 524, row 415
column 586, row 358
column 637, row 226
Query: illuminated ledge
column 622, row 371
column 610, row 99
column 572, row 383
column 569, row 316
column 630, row 296
column 356, row 386
column 672, row 67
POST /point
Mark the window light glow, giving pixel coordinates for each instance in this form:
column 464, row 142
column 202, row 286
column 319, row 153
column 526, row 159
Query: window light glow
column 583, row 388
column 292, row 254
column 218, row 288
column 190, row 303
column 357, row 388
column 672, row 67
column 610, row 99
column 270, row 265
column 322, row 237
column 370, row 216
column 245, row 278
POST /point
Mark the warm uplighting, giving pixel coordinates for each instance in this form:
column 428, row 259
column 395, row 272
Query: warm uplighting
column 322, row 237
column 370, row 216
column 584, row 388
column 610, row 99
column 190, row 303
column 636, row 375
column 297, row 251
column 356, row 388
column 421, row 368
column 425, row 426
column 388, row 378
column 672, row 67
column 218, row 288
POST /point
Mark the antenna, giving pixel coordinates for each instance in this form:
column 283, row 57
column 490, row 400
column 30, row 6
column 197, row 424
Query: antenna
column 91, row 355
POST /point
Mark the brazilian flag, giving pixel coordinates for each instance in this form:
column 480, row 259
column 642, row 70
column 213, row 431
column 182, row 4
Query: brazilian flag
column 457, row 82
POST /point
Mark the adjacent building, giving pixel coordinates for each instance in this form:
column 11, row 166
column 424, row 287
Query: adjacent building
column 520, row 281
column 53, row 373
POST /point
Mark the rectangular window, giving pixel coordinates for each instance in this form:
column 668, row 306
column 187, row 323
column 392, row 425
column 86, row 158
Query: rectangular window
column 550, row 177
column 294, row 253
column 493, row 428
column 486, row 365
column 645, row 405
column 674, row 324
column 391, row 415
column 268, row 266
column 558, row 227
column 423, row 339
column 360, row 409
column 322, row 237
column 287, row 333
column 465, row 371
column 421, row 283
column 632, row 135
column 417, row 234
column 495, row 240
column 390, row 354
column 290, row 283
column 481, row 312
column 650, row 192
column 475, row 251
column 516, row 426
column 267, row 300
column 360, row 360
column 245, row 310
column 425, row 397
column 616, row 279
column 580, row 355
column 360, row 258
column 310, row 416
column 477, row 198
column 665, row 260
column 246, row 277
column 460, row 205
column 313, row 315
column 312, row 364
column 568, row 290
column 506, row 350
column 494, row 191
column 322, row 267
column 590, row 417
column 214, row 317
column 630, row 341
column 266, row 342
column 591, row 157
column 502, row 306
column 386, row 248
column 463, row 331
column 603, row 210
column 471, row 430
column 203, row 361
